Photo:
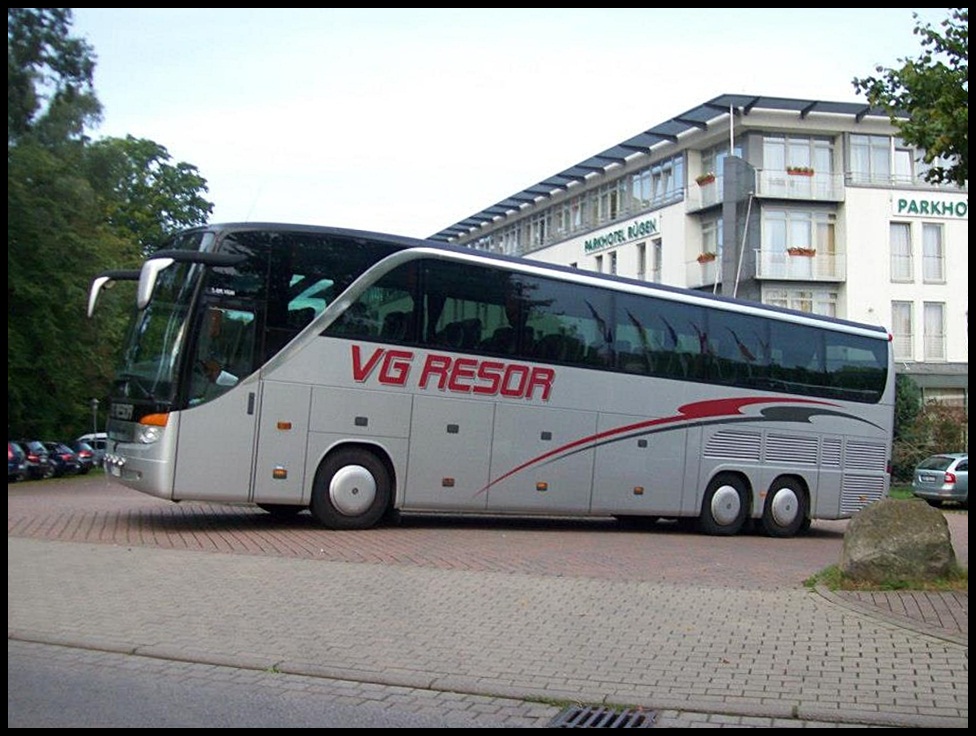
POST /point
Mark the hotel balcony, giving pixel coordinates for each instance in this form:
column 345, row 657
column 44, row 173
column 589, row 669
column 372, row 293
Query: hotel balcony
column 781, row 266
column 699, row 274
column 780, row 184
column 771, row 184
column 704, row 195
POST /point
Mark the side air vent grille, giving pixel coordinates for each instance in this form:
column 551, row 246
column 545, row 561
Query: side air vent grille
column 831, row 452
column 859, row 491
column 866, row 456
column 791, row 450
column 735, row 445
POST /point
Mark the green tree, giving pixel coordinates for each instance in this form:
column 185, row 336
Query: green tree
column 49, row 77
column 933, row 90
column 908, row 403
column 145, row 196
column 74, row 208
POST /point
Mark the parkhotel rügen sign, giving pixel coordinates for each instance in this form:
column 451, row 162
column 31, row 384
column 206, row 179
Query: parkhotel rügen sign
column 620, row 236
column 956, row 209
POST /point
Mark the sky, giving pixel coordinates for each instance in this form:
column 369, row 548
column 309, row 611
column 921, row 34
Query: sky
column 407, row 121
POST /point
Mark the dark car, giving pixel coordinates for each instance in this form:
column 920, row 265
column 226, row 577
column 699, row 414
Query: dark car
column 39, row 464
column 63, row 458
column 943, row 477
column 85, row 453
column 16, row 463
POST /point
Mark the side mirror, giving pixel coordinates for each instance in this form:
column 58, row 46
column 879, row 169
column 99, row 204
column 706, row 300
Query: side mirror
column 106, row 280
column 147, row 279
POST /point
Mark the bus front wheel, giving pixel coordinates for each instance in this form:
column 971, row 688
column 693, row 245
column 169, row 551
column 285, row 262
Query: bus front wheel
column 785, row 511
column 352, row 490
column 724, row 507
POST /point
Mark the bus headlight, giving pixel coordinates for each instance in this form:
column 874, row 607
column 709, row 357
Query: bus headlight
column 147, row 435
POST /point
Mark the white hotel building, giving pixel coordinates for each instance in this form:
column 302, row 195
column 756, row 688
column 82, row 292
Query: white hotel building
column 809, row 204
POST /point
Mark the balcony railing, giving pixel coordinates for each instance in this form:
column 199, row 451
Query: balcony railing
column 704, row 195
column 702, row 274
column 778, row 264
column 781, row 184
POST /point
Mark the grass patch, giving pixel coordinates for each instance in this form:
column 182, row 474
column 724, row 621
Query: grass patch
column 833, row 579
column 901, row 492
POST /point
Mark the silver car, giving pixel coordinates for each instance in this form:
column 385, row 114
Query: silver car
column 943, row 477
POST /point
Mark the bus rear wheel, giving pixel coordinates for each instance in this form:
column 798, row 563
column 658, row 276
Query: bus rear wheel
column 724, row 507
column 785, row 511
column 352, row 490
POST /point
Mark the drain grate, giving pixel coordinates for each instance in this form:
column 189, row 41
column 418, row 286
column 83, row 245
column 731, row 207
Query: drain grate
column 576, row 716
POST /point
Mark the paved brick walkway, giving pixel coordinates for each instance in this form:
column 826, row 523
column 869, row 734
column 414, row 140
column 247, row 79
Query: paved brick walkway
column 521, row 613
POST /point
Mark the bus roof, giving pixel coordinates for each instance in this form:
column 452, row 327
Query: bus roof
column 623, row 283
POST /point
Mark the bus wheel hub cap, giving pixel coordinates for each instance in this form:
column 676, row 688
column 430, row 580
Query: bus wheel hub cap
column 784, row 506
column 725, row 505
column 352, row 490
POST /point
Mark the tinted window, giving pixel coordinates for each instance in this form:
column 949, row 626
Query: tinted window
column 469, row 307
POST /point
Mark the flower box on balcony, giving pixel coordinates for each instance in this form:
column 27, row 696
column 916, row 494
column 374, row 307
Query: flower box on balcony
column 809, row 252
column 799, row 170
column 704, row 179
column 706, row 257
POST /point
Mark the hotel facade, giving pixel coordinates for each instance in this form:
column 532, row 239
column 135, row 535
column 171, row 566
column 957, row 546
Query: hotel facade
column 807, row 204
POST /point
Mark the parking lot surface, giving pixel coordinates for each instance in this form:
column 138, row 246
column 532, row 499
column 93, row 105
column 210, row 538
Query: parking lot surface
column 529, row 615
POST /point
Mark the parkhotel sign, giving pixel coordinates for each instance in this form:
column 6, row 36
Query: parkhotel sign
column 612, row 238
column 931, row 207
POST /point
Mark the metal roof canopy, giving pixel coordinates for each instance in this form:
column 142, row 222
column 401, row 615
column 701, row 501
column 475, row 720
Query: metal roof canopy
column 698, row 118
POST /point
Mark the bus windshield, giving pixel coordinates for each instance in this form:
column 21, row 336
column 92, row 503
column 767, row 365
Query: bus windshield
column 149, row 365
column 149, row 360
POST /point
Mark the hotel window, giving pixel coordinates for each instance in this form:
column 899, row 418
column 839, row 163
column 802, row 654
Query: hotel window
column 933, row 258
column 901, row 251
column 903, row 166
column 946, row 397
column 667, row 180
column 713, row 159
column 599, row 264
column 640, row 188
column 815, row 301
column 613, row 263
column 712, row 236
column 561, row 218
column 609, row 200
column 933, row 331
column 783, row 152
column 795, row 228
column 656, row 261
column 538, row 229
column 510, row 238
column 576, row 213
column 641, row 261
column 922, row 168
column 870, row 159
column 901, row 330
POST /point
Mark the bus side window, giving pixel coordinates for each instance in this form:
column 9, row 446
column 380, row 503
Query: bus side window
column 299, row 318
column 395, row 326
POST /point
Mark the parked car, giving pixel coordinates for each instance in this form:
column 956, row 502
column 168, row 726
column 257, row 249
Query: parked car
column 16, row 463
column 63, row 458
column 943, row 477
column 98, row 441
column 85, row 453
column 39, row 464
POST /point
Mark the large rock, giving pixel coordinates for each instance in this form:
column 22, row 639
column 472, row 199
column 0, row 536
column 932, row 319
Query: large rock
column 897, row 540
